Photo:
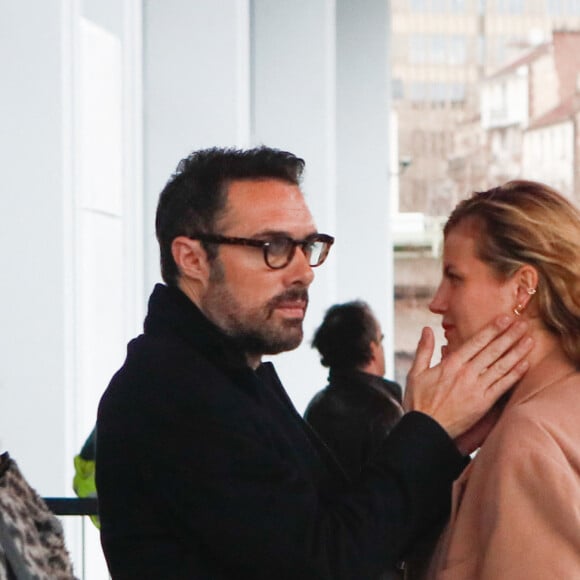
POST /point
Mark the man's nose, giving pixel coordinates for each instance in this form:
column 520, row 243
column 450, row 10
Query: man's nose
column 299, row 268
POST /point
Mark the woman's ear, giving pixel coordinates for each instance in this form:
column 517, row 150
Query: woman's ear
column 191, row 259
column 527, row 283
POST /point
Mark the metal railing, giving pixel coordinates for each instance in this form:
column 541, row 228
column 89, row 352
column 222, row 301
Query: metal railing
column 73, row 506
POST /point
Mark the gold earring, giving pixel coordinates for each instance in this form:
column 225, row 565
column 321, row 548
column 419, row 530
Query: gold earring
column 520, row 307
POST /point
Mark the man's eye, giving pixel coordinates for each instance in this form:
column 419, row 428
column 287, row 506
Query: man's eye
column 279, row 245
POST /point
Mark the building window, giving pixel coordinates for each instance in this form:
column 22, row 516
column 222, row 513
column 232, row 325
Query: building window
column 439, row 92
column 418, row 92
column 397, row 89
column 511, row 6
column 456, row 49
column 457, row 5
column 555, row 7
column 438, row 49
column 417, row 49
column 420, row 5
column 440, row 6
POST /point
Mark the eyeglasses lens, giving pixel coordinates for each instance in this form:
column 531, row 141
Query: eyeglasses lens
column 279, row 252
column 315, row 252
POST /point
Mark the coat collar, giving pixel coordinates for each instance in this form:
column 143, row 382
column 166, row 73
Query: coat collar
column 355, row 379
column 171, row 312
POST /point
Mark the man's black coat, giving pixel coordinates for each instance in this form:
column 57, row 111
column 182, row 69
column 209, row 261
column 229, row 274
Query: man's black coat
column 206, row 471
column 353, row 414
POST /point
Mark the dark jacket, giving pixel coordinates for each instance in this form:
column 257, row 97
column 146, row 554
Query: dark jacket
column 354, row 414
column 206, row 471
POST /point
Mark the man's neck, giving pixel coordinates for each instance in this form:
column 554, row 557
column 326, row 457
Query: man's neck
column 190, row 290
column 371, row 368
column 254, row 360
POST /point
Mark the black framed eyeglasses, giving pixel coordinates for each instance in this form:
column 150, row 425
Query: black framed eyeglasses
column 279, row 251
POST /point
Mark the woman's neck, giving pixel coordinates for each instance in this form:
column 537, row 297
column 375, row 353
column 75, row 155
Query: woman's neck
column 547, row 358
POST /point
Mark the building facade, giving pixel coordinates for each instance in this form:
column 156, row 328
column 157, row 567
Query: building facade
column 482, row 94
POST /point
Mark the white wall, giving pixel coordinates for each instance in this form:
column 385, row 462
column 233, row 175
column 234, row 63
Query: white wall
column 95, row 117
column 70, row 229
column 548, row 156
column 321, row 90
column 365, row 266
column 35, row 365
column 504, row 100
column 293, row 108
column 308, row 76
column 195, row 94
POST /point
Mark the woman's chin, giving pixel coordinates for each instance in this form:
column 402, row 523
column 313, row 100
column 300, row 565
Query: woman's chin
column 448, row 348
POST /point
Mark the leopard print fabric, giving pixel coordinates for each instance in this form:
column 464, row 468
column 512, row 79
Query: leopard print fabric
column 35, row 532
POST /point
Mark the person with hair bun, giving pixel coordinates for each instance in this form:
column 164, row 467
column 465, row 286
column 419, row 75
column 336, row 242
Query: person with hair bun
column 358, row 408
column 516, row 507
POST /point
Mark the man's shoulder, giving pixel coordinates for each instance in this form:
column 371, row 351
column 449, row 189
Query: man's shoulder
column 164, row 368
column 357, row 403
column 319, row 399
column 150, row 350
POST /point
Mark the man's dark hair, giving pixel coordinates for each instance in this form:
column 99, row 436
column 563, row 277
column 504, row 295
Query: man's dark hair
column 345, row 335
column 196, row 193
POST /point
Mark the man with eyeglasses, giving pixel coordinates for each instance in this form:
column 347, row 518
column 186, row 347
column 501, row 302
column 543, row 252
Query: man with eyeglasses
column 204, row 467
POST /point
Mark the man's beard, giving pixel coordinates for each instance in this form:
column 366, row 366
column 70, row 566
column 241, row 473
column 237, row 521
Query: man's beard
column 255, row 332
column 262, row 339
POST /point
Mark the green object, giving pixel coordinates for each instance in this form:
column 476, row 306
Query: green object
column 84, row 481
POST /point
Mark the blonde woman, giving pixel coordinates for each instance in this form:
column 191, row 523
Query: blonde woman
column 516, row 508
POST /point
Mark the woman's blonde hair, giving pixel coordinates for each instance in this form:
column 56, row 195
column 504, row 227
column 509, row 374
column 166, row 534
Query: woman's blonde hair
column 525, row 222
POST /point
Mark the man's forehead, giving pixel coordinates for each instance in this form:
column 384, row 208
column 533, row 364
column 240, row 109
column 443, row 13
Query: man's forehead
column 264, row 186
column 269, row 204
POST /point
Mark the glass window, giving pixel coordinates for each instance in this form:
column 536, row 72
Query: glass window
column 418, row 91
column 397, row 88
column 437, row 48
column 456, row 49
column 438, row 6
column 419, row 5
column 511, row 6
column 457, row 5
column 555, row 7
column 457, row 92
column 417, row 49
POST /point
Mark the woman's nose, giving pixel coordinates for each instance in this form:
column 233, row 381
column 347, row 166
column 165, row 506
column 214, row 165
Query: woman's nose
column 437, row 305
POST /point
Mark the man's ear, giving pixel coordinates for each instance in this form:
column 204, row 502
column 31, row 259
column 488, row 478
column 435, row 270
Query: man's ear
column 374, row 348
column 191, row 259
column 372, row 366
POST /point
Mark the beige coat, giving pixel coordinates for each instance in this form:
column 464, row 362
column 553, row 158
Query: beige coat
column 516, row 508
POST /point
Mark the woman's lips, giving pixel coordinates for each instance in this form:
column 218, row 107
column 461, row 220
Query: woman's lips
column 448, row 328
